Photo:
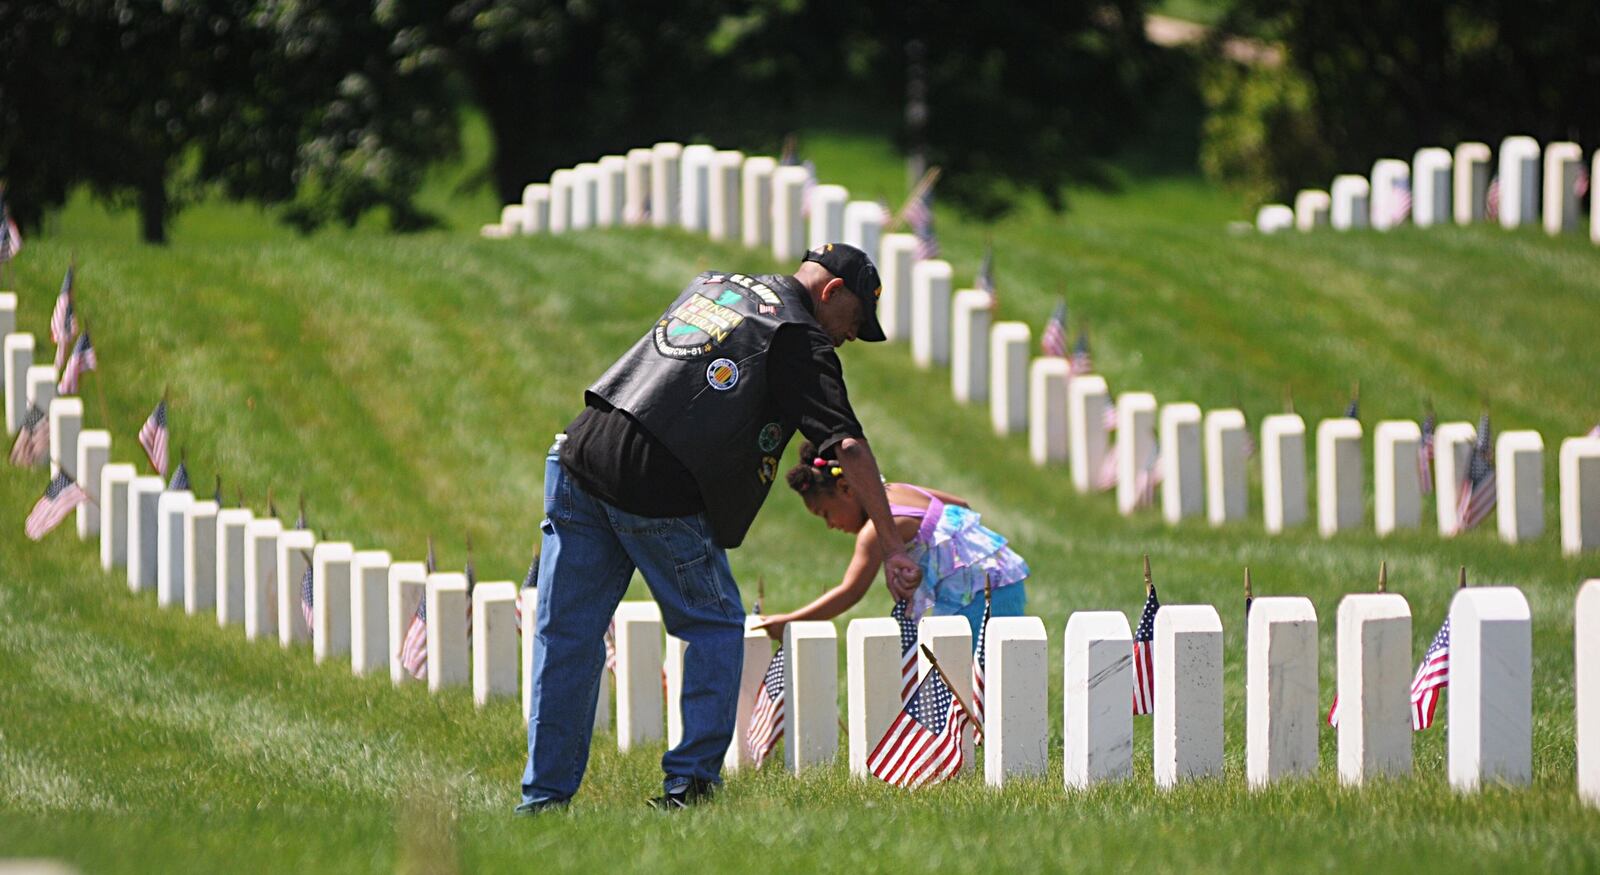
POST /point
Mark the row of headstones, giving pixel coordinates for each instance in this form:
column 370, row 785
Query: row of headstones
column 1489, row 711
column 1443, row 186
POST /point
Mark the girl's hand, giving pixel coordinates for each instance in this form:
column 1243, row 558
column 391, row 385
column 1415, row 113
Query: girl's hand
column 774, row 626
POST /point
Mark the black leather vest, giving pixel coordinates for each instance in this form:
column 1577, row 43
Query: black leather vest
column 698, row 383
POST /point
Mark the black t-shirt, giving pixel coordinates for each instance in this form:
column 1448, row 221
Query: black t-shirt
column 613, row 458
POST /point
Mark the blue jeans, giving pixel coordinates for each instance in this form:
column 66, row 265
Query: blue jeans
column 1006, row 601
column 589, row 553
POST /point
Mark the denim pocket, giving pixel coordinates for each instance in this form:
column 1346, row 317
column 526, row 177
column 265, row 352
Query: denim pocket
column 691, row 555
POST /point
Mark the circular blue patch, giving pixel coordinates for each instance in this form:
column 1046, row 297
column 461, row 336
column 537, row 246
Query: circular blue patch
column 722, row 374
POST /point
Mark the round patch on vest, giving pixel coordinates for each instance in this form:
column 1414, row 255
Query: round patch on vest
column 771, row 435
column 722, row 374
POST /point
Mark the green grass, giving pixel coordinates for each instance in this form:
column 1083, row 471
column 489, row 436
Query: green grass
column 409, row 385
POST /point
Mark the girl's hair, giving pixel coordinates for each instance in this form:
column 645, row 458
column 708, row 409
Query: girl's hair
column 814, row 474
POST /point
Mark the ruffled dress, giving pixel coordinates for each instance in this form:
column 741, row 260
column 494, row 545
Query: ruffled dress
column 956, row 552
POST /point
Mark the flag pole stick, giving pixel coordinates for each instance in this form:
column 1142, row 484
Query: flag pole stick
column 946, row 678
column 918, row 190
column 99, row 389
column 1461, row 579
column 1149, row 587
column 1383, row 575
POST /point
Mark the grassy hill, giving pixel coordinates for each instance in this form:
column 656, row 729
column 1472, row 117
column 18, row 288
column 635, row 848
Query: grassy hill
column 409, row 385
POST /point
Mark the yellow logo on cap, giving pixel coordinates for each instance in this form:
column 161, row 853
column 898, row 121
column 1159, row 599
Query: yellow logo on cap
column 877, row 292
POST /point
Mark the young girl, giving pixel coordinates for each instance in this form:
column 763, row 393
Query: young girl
column 942, row 533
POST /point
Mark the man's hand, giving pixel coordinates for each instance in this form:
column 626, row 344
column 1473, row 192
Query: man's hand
column 773, row 626
column 902, row 574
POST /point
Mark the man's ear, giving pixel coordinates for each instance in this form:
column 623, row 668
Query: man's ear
column 831, row 288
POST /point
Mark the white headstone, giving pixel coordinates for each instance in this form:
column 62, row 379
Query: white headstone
column 562, row 183
column 19, row 357
column 331, row 583
column 231, row 564
column 636, row 186
column 1096, row 721
column 1341, row 499
column 513, row 219
column 811, row 688
column 1282, row 708
column 672, row 673
column 1519, row 181
column 1452, row 450
column 528, row 646
column 261, row 578
column 827, row 215
column 611, row 174
column 585, row 195
column 1087, row 400
column 1594, row 201
column 115, row 481
column 171, row 508
column 8, row 313
column 408, row 588
column 143, row 495
column 755, row 191
column 1471, row 182
column 200, row 558
column 295, row 548
column 1396, row 478
column 1016, row 699
column 1562, row 209
column 756, row 657
column 930, row 312
column 950, row 639
column 1391, row 183
column 969, row 344
column 863, row 225
column 1519, row 485
column 369, row 612
column 1579, row 468
column 872, row 666
column 1136, row 446
column 1431, row 187
column 1182, row 482
column 1009, row 345
column 94, row 453
column 66, row 423
column 724, row 220
column 447, row 631
column 1350, row 195
column 788, row 218
column 1227, row 466
column 695, row 187
column 1188, row 688
column 1374, row 686
column 40, row 381
column 1311, row 208
column 1272, row 218
column 1491, row 688
column 897, row 253
column 494, row 641
column 665, row 181
column 1047, row 410
column 1586, row 680
column 536, row 208
column 639, row 667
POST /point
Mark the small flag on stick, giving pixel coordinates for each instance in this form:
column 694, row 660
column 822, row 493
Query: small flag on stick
column 979, row 661
column 767, row 717
column 153, row 437
column 923, row 744
column 908, row 649
column 1144, row 664
column 60, row 498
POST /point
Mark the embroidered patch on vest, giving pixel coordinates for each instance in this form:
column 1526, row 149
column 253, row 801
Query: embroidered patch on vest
column 722, row 374
column 694, row 327
column 771, row 435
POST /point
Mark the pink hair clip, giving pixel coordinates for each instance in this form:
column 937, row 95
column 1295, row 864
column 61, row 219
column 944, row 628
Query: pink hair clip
column 819, row 462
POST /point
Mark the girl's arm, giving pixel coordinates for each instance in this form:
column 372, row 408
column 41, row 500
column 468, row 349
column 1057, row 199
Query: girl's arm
column 948, row 498
column 858, row 579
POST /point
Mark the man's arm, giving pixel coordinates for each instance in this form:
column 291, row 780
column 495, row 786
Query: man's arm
column 900, row 572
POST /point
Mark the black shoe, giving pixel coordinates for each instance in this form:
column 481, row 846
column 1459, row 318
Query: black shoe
column 695, row 792
column 531, row 809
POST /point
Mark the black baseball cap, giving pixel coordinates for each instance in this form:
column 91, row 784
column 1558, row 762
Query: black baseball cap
column 860, row 276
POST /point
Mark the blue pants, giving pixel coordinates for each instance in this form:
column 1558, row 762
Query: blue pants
column 1006, row 601
column 589, row 553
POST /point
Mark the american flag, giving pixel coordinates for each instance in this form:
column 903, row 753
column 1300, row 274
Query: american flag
column 1250, row 448
column 1491, row 199
column 908, row 648
column 978, row 660
column 1477, row 493
column 10, row 236
column 610, row 640
column 1149, row 477
column 59, row 499
column 1594, row 432
column 83, row 359
column 923, row 744
column 300, row 520
column 153, row 437
column 1053, row 340
column 1353, row 409
column 1082, row 361
column 1425, row 453
column 1580, row 183
column 985, row 280
column 1333, row 712
column 766, row 719
column 1144, row 664
column 414, row 647
column 33, row 439
column 1433, row 675
column 180, row 477
column 1402, row 202
column 63, row 322
column 1106, row 478
column 307, row 594
column 919, row 215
